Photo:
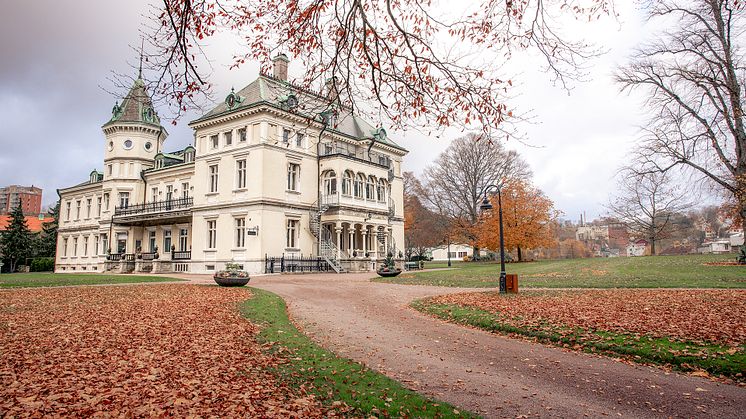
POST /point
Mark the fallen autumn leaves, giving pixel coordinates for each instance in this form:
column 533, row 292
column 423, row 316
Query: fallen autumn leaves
column 137, row 350
column 704, row 316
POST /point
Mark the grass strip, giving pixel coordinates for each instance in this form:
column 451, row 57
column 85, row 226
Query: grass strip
column 683, row 356
column 364, row 391
column 687, row 271
column 48, row 279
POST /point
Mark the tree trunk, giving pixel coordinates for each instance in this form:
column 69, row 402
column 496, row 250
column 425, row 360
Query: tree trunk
column 652, row 247
column 520, row 255
column 475, row 254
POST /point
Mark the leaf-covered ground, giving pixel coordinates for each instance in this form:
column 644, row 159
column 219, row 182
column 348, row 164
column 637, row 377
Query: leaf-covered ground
column 150, row 350
column 700, row 331
column 706, row 316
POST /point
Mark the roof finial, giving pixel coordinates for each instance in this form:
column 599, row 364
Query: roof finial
column 142, row 45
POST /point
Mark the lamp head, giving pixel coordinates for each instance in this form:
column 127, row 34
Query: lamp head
column 486, row 205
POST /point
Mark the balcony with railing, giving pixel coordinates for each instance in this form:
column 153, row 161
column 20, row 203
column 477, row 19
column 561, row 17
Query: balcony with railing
column 179, row 209
column 341, row 200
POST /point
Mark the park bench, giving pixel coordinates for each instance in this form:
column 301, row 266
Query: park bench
column 413, row 266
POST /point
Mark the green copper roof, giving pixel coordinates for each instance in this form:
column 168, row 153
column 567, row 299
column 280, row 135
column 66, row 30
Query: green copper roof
column 136, row 107
column 274, row 92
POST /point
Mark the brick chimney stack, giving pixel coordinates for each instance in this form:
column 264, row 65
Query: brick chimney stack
column 280, row 67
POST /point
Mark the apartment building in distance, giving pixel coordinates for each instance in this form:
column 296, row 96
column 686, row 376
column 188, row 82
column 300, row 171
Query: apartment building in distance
column 29, row 197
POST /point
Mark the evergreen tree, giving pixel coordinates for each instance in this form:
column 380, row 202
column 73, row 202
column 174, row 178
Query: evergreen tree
column 17, row 240
column 46, row 241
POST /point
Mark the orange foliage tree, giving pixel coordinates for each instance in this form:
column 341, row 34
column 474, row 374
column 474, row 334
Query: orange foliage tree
column 527, row 218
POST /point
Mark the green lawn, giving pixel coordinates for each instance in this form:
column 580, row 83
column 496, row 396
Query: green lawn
column 624, row 272
column 48, row 279
column 366, row 392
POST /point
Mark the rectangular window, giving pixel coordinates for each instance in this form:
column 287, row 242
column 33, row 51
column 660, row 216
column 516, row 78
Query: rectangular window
column 290, row 237
column 228, row 137
column 241, row 174
column 166, row 241
column 293, row 176
column 151, row 241
column 124, row 199
column 95, row 245
column 169, row 192
column 104, row 244
column 183, row 239
column 242, row 134
column 299, row 140
column 85, row 246
column 64, row 246
column 154, row 194
column 213, row 178
column 109, row 169
column 285, row 136
column 67, row 209
column 214, row 141
column 185, row 190
column 75, row 246
column 98, row 206
column 106, row 201
column 240, row 232
column 88, row 207
column 77, row 209
column 211, row 234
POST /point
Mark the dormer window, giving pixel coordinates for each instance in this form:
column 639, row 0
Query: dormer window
column 148, row 115
column 159, row 161
column 189, row 154
column 94, row 176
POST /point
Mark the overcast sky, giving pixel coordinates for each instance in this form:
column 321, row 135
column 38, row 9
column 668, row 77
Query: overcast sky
column 57, row 57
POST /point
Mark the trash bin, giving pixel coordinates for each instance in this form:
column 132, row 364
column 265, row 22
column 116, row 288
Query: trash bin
column 511, row 283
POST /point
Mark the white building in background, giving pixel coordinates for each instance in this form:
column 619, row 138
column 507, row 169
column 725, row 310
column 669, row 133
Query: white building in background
column 275, row 171
column 715, row 246
column 457, row 252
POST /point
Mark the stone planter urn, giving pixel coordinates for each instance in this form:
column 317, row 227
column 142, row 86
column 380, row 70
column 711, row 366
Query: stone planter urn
column 389, row 269
column 232, row 276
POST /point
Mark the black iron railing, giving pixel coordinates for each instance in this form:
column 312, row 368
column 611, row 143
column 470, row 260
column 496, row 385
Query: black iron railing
column 128, row 257
column 114, row 257
column 157, row 206
column 181, row 255
column 149, row 256
column 296, row 264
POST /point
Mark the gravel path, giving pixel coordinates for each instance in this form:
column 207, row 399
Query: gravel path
column 481, row 372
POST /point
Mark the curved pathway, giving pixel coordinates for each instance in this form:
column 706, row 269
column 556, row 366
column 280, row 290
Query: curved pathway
column 482, row 372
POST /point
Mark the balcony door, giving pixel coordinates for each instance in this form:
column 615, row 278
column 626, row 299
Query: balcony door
column 121, row 243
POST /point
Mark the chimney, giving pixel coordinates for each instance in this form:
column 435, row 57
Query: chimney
column 331, row 89
column 280, row 67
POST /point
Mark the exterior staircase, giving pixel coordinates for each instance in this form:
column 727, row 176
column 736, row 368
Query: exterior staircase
column 327, row 249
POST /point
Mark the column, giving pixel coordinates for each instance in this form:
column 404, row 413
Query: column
column 338, row 230
column 365, row 239
column 351, row 242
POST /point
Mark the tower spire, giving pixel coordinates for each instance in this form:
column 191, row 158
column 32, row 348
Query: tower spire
column 142, row 45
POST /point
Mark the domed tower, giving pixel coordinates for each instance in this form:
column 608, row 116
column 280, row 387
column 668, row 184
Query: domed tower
column 134, row 135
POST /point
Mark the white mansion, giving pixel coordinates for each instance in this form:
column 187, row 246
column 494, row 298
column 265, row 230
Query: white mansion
column 277, row 180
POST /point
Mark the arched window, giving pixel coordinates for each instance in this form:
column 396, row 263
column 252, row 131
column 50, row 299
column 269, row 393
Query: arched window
column 359, row 185
column 347, row 183
column 370, row 188
column 381, row 190
column 330, row 183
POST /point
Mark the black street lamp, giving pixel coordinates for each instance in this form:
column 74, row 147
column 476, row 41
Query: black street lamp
column 486, row 206
column 449, row 252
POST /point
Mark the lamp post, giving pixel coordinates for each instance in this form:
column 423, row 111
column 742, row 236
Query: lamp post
column 486, row 206
column 449, row 252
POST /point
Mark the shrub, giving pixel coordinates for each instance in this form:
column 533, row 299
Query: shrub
column 42, row 264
